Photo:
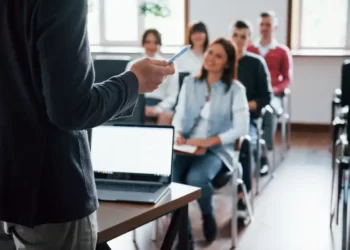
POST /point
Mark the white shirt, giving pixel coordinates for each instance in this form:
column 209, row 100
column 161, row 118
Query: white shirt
column 167, row 90
column 240, row 112
column 263, row 50
column 201, row 129
column 190, row 62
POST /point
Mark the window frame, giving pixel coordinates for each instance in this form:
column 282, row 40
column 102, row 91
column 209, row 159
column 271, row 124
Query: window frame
column 103, row 42
column 294, row 28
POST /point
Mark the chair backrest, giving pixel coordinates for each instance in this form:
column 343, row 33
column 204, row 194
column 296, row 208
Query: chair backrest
column 345, row 83
column 108, row 66
column 224, row 175
column 182, row 76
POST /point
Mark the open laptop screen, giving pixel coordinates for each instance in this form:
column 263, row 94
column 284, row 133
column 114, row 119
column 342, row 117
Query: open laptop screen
column 127, row 151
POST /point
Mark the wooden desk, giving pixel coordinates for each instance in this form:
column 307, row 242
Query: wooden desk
column 115, row 219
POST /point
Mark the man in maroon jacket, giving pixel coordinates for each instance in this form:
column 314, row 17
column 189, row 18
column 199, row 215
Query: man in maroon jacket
column 277, row 55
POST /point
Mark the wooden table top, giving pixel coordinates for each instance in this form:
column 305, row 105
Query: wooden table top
column 115, row 219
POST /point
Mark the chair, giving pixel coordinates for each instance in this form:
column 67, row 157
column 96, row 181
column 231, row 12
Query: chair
column 107, row 66
column 225, row 176
column 267, row 115
column 345, row 83
column 182, row 76
column 341, row 153
column 222, row 179
column 335, row 112
column 285, row 121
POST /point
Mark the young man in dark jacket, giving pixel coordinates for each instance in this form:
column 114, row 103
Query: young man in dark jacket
column 254, row 75
column 47, row 101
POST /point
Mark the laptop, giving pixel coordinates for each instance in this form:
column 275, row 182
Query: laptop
column 132, row 163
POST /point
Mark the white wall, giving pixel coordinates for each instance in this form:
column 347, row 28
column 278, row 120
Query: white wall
column 315, row 78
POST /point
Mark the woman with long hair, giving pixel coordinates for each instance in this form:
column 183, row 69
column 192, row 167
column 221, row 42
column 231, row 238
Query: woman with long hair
column 211, row 114
column 198, row 38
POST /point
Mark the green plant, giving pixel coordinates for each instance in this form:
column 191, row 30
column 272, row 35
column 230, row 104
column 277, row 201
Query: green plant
column 155, row 9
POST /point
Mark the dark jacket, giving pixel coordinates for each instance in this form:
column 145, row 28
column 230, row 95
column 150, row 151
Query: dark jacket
column 47, row 101
column 254, row 75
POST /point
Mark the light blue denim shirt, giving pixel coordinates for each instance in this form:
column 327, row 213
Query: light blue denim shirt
column 229, row 114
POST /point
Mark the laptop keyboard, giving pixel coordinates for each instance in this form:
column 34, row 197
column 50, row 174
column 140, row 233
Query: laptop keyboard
column 129, row 187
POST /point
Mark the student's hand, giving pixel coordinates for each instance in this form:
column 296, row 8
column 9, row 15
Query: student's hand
column 180, row 140
column 201, row 143
column 150, row 73
column 252, row 105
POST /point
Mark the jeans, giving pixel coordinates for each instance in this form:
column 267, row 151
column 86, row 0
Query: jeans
column 74, row 235
column 198, row 171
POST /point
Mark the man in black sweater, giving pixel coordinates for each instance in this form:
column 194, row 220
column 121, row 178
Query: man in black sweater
column 47, row 101
column 254, row 75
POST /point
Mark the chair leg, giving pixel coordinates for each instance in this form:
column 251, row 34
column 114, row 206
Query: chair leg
column 247, row 200
column 234, row 219
column 258, row 164
column 134, row 239
column 134, row 235
column 154, row 230
column 283, row 135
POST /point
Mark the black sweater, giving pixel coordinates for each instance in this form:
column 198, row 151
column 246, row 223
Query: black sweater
column 47, row 100
column 254, row 75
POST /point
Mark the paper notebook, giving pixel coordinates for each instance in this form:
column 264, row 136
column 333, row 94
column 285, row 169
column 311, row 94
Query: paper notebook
column 185, row 148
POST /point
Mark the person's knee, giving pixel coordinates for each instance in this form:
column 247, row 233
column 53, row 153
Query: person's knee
column 165, row 118
column 197, row 180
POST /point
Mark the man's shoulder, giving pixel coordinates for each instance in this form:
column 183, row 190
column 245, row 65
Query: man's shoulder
column 252, row 48
column 254, row 58
column 283, row 48
column 237, row 86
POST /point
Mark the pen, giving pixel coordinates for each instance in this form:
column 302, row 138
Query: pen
column 171, row 60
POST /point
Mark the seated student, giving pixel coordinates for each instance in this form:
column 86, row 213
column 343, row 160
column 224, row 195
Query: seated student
column 277, row 57
column 159, row 103
column 192, row 60
column 256, row 79
column 212, row 113
column 254, row 75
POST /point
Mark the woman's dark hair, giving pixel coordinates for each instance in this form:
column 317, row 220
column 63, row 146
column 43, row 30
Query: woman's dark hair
column 198, row 27
column 230, row 72
column 154, row 32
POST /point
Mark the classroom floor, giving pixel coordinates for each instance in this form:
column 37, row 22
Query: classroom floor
column 292, row 212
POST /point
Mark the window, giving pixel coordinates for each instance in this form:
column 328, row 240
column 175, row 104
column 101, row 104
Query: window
column 119, row 23
column 320, row 24
column 94, row 22
column 121, row 20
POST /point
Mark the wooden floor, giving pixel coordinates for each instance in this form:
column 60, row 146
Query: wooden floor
column 292, row 213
